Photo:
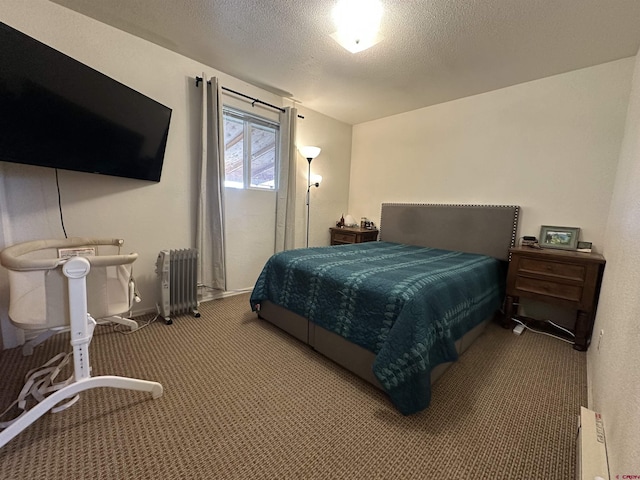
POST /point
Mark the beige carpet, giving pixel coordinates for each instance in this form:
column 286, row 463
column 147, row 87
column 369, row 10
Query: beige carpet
column 244, row 400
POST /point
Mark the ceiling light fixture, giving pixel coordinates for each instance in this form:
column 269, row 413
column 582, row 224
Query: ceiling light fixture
column 358, row 22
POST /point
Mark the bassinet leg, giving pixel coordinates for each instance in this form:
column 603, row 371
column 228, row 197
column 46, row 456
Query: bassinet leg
column 82, row 325
column 73, row 389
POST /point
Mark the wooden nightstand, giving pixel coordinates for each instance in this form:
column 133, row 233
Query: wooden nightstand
column 559, row 277
column 341, row 236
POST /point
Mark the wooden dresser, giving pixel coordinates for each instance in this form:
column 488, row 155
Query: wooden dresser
column 559, row 277
column 343, row 235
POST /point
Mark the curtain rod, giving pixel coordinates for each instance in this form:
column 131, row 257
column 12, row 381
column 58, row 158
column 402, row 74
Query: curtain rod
column 254, row 100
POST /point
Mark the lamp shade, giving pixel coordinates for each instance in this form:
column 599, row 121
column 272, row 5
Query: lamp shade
column 310, row 152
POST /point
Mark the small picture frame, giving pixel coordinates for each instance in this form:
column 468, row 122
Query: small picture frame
column 563, row 238
column 584, row 247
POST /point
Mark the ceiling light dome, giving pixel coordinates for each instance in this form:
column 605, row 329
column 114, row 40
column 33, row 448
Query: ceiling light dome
column 358, row 22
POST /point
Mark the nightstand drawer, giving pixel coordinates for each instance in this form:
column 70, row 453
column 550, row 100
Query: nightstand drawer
column 347, row 235
column 571, row 293
column 341, row 237
column 557, row 269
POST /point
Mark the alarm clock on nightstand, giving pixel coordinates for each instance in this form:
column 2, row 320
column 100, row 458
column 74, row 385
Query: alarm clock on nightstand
column 528, row 241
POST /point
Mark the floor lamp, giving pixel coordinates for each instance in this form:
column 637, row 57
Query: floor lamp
column 309, row 153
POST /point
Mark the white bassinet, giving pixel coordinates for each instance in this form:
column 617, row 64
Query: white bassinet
column 38, row 289
column 58, row 284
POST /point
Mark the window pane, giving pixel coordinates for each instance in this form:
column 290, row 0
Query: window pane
column 233, row 152
column 263, row 157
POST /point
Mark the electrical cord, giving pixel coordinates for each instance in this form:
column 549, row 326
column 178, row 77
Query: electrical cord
column 140, row 327
column 60, row 205
column 544, row 333
column 208, row 287
column 562, row 328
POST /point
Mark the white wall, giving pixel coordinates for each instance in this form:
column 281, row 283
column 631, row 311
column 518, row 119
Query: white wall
column 149, row 216
column 250, row 237
column 614, row 365
column 329, row 201
column 550, row 146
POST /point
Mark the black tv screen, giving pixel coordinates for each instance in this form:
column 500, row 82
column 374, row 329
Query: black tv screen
column 57, row 112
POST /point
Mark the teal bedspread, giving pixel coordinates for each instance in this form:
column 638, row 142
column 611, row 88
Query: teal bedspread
column 406, row 304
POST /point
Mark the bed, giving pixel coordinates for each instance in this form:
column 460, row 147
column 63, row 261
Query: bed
column 398, row 311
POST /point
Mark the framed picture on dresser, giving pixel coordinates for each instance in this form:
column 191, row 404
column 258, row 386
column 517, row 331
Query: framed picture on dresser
column 563, row 238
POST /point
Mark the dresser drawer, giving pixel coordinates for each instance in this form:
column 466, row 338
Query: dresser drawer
column 561, row 291
column 570, row 271
column 344, row 238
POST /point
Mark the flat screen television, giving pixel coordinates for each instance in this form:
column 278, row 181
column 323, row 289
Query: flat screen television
column 57, row 112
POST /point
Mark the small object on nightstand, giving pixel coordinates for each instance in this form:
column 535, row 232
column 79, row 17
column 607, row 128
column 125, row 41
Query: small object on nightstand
column 528, row 241
column 349, row 221
column 584, row 247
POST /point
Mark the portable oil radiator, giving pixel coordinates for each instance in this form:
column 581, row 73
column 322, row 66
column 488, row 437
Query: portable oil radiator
column 177, row 275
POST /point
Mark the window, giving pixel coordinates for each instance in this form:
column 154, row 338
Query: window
column 250, row 150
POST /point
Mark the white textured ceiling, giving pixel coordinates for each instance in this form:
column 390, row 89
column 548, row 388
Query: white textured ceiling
column 433, row 51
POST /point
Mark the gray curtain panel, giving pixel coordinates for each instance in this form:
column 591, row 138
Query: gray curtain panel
column 210, row 221
column 286, row 198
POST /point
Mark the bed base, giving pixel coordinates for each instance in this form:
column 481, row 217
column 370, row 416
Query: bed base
column 353, row 357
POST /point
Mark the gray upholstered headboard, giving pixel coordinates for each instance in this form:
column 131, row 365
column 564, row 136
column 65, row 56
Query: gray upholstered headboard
column 486, row 229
